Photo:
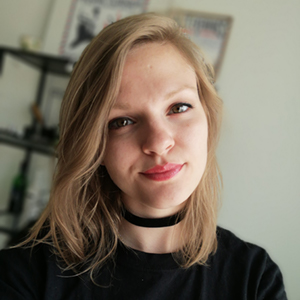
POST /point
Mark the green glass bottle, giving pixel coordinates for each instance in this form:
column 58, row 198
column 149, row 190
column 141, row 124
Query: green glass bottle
column 18, row 190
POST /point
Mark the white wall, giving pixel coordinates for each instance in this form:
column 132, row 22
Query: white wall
column 259, row 148
column 22, row 17
column 260, row 143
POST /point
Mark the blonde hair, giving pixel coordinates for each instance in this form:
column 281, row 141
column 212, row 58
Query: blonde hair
column 85, row 209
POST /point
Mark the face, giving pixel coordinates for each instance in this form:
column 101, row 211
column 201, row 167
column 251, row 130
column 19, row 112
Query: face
column 157, row 144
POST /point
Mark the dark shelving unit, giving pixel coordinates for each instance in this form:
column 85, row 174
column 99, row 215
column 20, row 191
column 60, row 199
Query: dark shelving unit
column 46, row 64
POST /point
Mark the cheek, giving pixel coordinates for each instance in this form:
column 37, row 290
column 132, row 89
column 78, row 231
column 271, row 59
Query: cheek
column 195, row 136
column 118, row 155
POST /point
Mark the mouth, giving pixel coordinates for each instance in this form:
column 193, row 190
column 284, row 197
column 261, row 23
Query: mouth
column 162, row 173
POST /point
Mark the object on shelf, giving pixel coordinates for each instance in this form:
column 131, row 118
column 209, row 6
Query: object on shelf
column 37, row 113
column 37, row 196
column 11, row 130
column 30, row 43
column 41, row 132
column 18, row 190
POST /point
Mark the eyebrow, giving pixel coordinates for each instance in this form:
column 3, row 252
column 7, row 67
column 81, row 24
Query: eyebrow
column 124, row 106
column 182, row 88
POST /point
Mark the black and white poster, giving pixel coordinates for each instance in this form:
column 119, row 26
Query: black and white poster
column 86, row 18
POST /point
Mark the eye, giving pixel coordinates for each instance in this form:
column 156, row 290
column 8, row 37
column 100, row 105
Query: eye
column 179, row 108
column 119, row 123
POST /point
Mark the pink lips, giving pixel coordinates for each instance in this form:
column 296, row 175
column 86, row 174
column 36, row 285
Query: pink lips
column 161, row 173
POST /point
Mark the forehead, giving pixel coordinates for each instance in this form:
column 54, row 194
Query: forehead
column 153, row 50
column 155, row 63
column 154, row 71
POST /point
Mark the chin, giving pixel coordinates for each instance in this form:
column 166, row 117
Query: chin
column 173, row 204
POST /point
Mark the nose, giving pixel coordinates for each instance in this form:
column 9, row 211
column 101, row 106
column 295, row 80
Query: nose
column 157, row 139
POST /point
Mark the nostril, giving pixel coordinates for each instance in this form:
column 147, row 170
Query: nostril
column 158, row 143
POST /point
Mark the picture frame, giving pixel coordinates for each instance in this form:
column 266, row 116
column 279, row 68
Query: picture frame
column 73, row 23
column 208, row 30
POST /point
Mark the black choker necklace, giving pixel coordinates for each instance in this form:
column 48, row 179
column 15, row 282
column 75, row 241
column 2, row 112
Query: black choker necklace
column 152, row 223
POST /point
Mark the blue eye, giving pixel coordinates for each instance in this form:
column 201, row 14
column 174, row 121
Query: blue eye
column 119, row 123
column 179, row 108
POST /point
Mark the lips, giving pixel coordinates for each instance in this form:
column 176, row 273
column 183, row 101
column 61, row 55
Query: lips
column 161, row 173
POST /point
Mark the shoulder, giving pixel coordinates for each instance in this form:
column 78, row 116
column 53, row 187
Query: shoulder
column 19, row 257
column 232, row 247
column 228, row 242
column 24, row 271
column 249, row 263
column 234, row 250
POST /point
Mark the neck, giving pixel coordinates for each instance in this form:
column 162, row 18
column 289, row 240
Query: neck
column 151, row 240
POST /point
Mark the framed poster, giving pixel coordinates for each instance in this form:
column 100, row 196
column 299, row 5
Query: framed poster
column 74, row 23
column 209, row 31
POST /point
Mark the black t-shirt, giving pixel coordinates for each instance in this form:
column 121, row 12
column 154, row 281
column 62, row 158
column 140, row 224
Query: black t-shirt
column 238, row 270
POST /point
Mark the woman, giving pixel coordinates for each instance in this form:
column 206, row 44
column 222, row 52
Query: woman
column 132, row 214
